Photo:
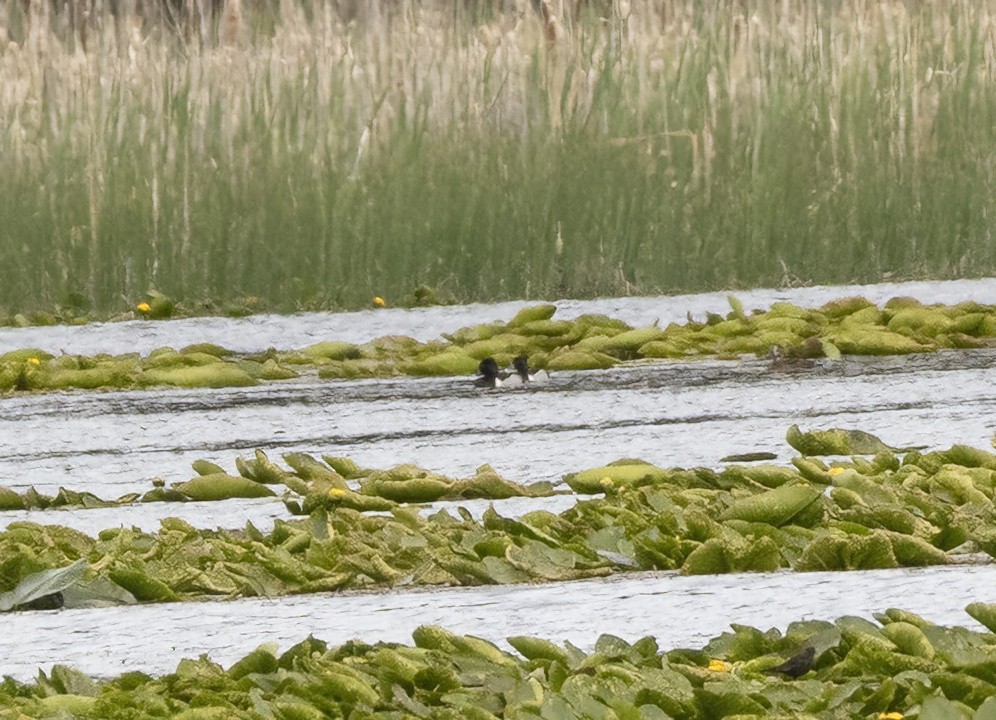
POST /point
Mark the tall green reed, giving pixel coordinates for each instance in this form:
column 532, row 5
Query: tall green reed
column 660, row 149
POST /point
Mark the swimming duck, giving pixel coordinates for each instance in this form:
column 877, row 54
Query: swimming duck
column 490, row 375
column 521, row 374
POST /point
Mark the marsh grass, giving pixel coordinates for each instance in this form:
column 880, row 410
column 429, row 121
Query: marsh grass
column 314, row 163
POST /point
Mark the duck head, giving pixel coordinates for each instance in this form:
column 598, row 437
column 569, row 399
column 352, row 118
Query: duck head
column 489, row 373
column 521, row 365
column 488, row 368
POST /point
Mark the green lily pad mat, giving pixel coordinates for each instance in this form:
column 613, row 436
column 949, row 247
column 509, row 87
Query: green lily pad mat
column 851, row 326
column 885, row 511
column 902, row 666
column 317, row 483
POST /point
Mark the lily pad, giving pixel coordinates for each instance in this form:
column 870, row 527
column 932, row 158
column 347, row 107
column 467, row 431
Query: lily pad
column 836, row 442
column 10, row 500
column 607, row 477
column 221, row 486
column 776, row 507
column 532, row 313
column 42, row 584
column 985, row 613
column 216, row 375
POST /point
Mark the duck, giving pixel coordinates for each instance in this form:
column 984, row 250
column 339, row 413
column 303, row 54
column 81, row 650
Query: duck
column 489, row 374
column 520, row 374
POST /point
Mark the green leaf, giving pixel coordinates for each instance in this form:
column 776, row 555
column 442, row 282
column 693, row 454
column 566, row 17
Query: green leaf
column 40, row 584
column 221, row 486
column 987, row 710
column 835, row 442
column 775, row 507
column 99, row 592
column 939, row 708
column 830, row 350
column 985, row 613
column 72, row 682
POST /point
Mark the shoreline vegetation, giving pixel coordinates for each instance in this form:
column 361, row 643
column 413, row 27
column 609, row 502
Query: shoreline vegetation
column 898, row 666
column 847, row 326
column 881, row 508
column 295, row 161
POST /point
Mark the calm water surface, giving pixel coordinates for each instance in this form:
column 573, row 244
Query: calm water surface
column 679, row 611
column 672, row 414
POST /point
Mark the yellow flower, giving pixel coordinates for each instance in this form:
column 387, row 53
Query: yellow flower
column 719, row 666
column 890, row 716
column 378, row 301
column 836, row 471
column 607, row 481
column 34, row 361
column 337, row 492
column 143, row 307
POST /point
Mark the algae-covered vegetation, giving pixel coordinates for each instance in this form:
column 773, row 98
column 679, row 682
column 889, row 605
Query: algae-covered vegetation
column 337, row 482
column 900, row 665
column 885, row 511
column 656, row 146
column 851, row 326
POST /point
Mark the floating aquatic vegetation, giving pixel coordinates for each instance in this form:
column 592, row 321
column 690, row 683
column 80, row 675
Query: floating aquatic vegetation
column 901, row 666
column 749, row 457
column 890, row 511
column 580, row 360
column 209, row 375
column 623, row 473
column 453, row 361
column 797, row 504
column 332, row 350
column 405, row 484
column 10, row 500
column 849, row 326
column 874, row 341
column 985, row 613
column 318, row 484
column 837, row 442
column 767, row 475
column 221, row 486
column 533, row 313
column 42, row 585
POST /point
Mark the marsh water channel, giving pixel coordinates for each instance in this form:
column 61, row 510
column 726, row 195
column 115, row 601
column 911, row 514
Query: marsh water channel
column 678, row 611
column 671, row 414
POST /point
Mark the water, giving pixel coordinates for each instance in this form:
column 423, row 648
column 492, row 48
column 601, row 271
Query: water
column 282, row 331
column 674, row 413
column 679, row 611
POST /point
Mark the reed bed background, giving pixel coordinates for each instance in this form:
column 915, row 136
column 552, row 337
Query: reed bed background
column 311, row 158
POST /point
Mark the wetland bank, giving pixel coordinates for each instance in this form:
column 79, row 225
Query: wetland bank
column 319, row 515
